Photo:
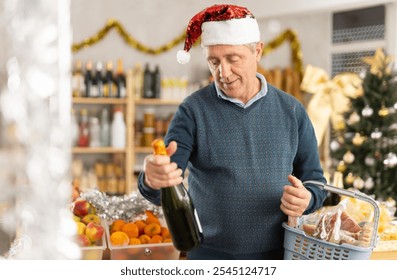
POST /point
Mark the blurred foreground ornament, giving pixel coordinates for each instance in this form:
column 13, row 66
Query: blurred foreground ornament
column 341, row 166
column 369, row 183
column 34, row 127
column 376, row 134
column 334, row 145
column 384, row 111
column 330, row 98
column 358, row 183
column 390, row 160
column 358, row 139
column 367, row 111
column 348, row 157
column 353, row 119
column 349, row 178
column 369, row 160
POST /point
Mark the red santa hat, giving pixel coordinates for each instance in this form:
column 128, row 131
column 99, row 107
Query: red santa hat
column 220, row 25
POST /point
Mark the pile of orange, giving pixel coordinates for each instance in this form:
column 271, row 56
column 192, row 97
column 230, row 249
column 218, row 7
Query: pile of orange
column 145, row 231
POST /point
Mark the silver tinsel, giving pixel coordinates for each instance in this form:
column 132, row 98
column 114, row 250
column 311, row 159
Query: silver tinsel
column 127, row 207
column 34, row 129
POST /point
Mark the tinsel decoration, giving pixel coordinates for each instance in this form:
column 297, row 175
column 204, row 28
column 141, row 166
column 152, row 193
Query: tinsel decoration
column 296, row 51
column 128, row 39
column 127, row 207
column 287, row 35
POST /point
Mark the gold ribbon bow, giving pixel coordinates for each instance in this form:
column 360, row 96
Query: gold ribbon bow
column 330, row 98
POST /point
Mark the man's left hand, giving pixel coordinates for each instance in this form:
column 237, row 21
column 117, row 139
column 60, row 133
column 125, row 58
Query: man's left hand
column 295, row 199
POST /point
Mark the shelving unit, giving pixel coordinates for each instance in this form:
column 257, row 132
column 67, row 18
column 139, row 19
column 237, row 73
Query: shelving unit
column 126, row 152
column 130, row 105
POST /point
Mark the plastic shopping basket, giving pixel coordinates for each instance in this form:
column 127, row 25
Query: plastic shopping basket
column 299, row 246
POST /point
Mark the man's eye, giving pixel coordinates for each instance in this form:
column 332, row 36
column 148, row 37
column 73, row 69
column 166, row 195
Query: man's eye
column 214, row 62
column 234, row 59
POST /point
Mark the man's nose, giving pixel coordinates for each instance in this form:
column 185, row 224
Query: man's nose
column 224, row 70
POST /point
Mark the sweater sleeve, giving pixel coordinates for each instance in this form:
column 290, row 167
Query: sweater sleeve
column 147, row 192
column 307, row 162
column 181, row 130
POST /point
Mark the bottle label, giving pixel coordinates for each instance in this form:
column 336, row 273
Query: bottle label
column 198, row 221
column 94, row 91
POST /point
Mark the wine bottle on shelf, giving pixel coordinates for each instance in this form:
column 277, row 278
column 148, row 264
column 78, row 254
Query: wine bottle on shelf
column 138, row 81
column 105, row 128
column 147, row 83
column 88, row 78
column 118, row 137
column 156, row 82
column 179, row 212
column 108, row 88
column 120, row 80
column 95, row 132
column 74, row 128
column 84, row 134
column 78, row 87
column 97, row 85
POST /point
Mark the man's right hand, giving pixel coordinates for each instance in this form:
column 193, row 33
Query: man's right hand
column 160, row 172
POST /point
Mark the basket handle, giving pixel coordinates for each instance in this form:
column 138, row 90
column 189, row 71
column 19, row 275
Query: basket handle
column 354, row 194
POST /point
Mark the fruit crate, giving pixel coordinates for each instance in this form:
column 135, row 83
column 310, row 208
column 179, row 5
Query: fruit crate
column 94, row 252
column 158, row 251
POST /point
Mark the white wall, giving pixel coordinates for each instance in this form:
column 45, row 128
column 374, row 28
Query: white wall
column 156, row 22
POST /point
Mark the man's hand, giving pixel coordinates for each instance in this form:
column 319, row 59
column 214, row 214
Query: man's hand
column 295, row 199
column 160, row 171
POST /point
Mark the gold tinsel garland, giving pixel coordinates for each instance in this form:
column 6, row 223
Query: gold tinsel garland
column 287, row 35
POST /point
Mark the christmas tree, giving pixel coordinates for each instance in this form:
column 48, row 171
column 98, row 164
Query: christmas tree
column 365, row 150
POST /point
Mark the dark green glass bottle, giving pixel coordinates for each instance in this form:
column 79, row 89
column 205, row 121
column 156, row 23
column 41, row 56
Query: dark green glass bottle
column 179, row 212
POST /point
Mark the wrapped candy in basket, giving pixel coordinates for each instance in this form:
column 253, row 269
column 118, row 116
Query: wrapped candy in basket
column 335, row 233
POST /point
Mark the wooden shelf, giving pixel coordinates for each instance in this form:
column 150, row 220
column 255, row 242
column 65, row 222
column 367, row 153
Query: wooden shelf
column 143, row 150
column 156, row 101
column 103, row 101
column 97, row 150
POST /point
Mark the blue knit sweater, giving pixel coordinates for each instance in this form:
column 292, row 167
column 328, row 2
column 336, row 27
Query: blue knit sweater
column 238, row 161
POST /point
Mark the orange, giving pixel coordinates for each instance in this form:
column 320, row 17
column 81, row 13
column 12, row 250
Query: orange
column 156, row 239
column 131, row 229
column 152, row 229
column 141, row 225
column 144, row 238
column 117, row 225
column 119, row 238
column 165, row 233
column 151, row 218
column 134, row 241
column 167, row 240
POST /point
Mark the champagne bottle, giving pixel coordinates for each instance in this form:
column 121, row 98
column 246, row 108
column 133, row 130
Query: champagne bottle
column 78, row 87
column 88, row 78
column 156, row 82
column 120, row 80
column 147, row 83
column 109, row 86
column 98, row 81
column 179, row 211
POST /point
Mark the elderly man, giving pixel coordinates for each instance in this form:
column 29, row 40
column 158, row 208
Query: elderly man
column 248, row 146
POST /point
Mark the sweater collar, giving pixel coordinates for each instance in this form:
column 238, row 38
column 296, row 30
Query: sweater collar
column 259, row 95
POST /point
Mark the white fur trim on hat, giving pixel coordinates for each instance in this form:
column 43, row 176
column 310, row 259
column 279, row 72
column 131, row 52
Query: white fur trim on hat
column 182, row 57
column 230, row 32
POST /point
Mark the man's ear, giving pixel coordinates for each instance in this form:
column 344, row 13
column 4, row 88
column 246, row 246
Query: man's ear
column 258, row 51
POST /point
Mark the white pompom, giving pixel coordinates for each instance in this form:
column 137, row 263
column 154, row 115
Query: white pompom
column 183, row 57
